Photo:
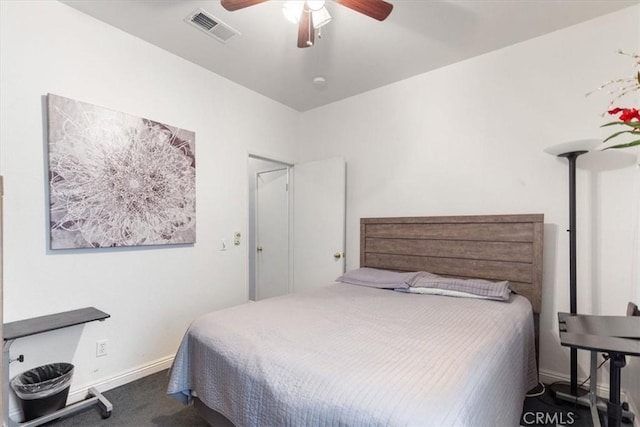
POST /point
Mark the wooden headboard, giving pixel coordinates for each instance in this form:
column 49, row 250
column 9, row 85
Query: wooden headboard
column 492, row 247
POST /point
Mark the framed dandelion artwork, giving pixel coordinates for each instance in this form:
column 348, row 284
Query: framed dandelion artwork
column 118, row 180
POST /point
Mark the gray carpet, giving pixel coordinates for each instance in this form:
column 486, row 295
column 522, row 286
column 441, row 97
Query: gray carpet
column 144, row 403
column 545, row 410
column 140, row 403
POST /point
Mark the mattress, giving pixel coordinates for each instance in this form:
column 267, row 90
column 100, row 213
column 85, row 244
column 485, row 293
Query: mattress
column 352, row 355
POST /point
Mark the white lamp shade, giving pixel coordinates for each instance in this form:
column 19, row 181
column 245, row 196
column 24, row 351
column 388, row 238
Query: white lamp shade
column 315, row 5
column 321, row 17
column 292, row 10
column 573, row 146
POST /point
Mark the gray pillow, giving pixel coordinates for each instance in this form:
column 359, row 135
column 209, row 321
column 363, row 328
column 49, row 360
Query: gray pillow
column 377, row 278
column 499, row 291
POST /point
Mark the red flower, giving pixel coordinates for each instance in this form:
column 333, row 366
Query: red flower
column 626, row 114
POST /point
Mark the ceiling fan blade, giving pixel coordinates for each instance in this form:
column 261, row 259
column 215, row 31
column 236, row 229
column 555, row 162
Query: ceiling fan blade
column 306, row 30
column 376, row 9
column 232, row 5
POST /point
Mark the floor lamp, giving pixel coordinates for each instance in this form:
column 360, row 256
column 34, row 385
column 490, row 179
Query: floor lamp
column 571, row 151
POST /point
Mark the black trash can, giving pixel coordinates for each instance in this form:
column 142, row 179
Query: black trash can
column 43, row 390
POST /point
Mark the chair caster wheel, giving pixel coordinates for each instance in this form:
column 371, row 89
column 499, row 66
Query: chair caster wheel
column 106, row 415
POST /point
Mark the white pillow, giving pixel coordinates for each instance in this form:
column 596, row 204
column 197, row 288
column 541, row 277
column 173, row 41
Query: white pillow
column 377, row 278
column 436, row 291
column 479, row 288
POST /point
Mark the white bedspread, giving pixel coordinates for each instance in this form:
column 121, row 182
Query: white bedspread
column 351, row 355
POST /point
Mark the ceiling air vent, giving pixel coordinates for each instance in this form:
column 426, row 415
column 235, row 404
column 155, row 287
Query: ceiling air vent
column 211, row 25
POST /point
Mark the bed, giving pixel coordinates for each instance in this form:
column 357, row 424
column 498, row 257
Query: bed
column 346, row 354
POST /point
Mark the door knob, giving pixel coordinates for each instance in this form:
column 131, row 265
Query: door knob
column 337, row 255
column 259, row 249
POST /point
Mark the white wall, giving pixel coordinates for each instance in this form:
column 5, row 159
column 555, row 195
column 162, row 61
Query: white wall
column 469, row 139
column 151, row 294
column 465, row 139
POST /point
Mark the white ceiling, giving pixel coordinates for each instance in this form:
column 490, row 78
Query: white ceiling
column 355, row 53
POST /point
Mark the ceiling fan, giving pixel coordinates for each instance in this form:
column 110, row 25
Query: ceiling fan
column 376, row 9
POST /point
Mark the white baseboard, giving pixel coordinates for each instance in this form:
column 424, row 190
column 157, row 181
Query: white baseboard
column 549, row 377
column 121, row 379
column 80, row 393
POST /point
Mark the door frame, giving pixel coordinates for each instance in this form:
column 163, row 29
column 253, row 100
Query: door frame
column 252, row 261
column 287, row 173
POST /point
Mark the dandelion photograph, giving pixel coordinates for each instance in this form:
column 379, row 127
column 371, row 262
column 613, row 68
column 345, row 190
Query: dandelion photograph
column 117, row 179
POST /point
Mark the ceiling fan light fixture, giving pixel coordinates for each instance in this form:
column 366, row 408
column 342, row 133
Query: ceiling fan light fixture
column 310, row 15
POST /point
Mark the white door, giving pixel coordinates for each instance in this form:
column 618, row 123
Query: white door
column 319, row 222
column 272, row 233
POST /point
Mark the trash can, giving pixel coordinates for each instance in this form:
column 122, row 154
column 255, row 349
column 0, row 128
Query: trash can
column 43, row 390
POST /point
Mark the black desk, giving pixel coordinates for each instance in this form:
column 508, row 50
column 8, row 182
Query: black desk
column 617, row 335
column 51, row 322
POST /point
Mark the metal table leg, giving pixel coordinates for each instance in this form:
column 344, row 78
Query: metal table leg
column 593, row 390
column 614, row 407
column 8, row 422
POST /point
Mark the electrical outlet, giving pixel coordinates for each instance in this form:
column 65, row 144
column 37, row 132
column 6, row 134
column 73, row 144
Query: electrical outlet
column 236, row 238
column 101, row 348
